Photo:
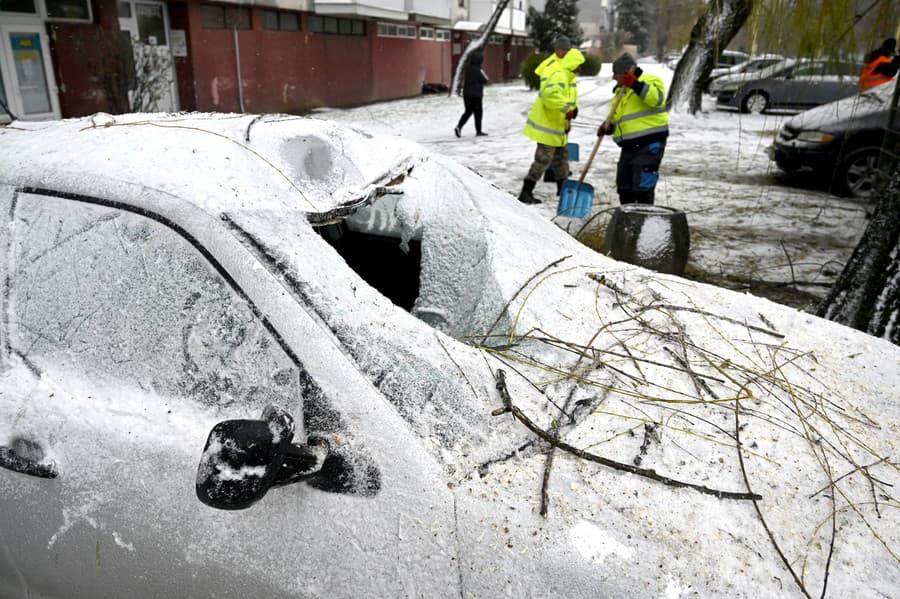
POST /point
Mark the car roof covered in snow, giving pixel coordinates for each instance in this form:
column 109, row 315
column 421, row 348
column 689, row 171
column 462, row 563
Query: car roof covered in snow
column 219, row 162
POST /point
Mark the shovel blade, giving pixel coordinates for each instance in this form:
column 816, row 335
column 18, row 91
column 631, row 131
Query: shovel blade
column 575, row 199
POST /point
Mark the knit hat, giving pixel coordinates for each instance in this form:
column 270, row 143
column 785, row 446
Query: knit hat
column 889, row 45
column 623, row 63
column 562, row 43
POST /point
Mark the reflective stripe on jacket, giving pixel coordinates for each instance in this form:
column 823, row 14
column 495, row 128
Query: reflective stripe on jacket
column 558, row 95
column 640, row 115
column 869, row 78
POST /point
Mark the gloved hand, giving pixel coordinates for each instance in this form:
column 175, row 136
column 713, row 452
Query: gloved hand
column 604, row 129
column 572, row 114
column 628, row 79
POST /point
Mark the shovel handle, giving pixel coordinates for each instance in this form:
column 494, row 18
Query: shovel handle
column 612, row 111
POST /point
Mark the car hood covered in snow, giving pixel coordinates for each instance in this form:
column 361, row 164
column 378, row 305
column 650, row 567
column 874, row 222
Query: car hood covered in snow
column 603, row 430
column 865, row 110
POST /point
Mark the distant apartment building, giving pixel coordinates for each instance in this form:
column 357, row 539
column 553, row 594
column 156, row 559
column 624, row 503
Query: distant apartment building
column 66, row 58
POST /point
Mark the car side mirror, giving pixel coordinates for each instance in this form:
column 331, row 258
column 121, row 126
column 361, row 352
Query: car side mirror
column 243, row 459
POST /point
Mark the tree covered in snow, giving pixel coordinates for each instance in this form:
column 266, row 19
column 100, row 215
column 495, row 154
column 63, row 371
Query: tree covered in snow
column 560, row 17
column 476, row 46
column 634, row 17
column 866, row 295
column 712, row 33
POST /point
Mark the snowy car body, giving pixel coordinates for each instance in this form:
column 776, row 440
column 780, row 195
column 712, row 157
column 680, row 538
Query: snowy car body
column 722, row 76
column 793, row 84
column 840, row 141
column 165, row 274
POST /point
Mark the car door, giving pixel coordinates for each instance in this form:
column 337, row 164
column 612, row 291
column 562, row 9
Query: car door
column 125, row 341
column 803, row 87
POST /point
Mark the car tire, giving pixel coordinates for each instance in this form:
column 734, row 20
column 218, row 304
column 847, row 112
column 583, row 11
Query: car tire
column 755, row 102
column 856, row 174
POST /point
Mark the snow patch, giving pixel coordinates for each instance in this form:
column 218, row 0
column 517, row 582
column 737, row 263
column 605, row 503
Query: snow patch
column 596, row 544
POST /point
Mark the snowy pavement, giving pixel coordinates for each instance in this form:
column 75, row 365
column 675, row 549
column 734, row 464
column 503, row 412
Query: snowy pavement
column 750, row 230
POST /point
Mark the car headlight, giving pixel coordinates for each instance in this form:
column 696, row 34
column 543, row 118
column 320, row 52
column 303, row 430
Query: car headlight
column 815, row 137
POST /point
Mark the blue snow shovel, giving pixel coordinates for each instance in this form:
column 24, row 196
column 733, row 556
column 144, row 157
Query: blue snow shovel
column 577, row 197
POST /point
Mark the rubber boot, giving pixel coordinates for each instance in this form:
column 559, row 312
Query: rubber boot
column 525, row 196
column 559, row 186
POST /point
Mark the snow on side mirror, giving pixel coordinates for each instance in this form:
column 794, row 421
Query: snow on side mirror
column 242, row 458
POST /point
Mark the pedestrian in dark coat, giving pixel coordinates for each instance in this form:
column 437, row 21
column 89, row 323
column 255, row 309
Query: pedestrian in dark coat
column 473, row 92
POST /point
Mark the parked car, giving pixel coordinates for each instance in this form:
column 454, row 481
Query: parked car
column 730, row 58
column 273, row 356
column 792, row 83
column 721, row 76
column 840, row 141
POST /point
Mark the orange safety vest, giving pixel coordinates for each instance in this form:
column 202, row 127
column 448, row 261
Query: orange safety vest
column 869, row 78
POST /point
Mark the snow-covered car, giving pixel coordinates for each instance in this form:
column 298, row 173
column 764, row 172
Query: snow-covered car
column 840, row 141
column 721, row 76
column 278, row 357
column 793, row 84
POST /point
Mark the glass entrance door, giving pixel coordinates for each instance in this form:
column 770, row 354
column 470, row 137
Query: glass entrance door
column 27, row 86
column 147, row 21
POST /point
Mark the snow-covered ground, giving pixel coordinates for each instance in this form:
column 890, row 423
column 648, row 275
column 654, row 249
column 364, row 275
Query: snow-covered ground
column 749, row 230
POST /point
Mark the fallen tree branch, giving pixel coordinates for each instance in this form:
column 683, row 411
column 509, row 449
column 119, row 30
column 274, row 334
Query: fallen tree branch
column 516, row 294
column 762, row 519
column 508, row 406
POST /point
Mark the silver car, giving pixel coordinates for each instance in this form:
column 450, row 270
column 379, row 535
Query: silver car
column 792, row 84
column 272, row 356
column 724, row 76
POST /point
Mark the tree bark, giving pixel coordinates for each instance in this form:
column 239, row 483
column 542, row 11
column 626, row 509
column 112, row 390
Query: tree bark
column 866, row 295
column 712, row 33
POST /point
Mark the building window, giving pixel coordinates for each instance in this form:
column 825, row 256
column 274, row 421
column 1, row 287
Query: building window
column 124, row 10
column 214, row 16
column 336, row 26
column 394, row 30
column 75, row 10
column 442, row 35
column 24, row 6
column 151, row 24
column 426, row 33
column 279, row 20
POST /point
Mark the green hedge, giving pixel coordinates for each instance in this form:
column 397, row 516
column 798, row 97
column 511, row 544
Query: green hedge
column 527, row 70
column 590, row 67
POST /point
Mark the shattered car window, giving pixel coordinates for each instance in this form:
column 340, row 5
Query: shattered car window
column 109, row 293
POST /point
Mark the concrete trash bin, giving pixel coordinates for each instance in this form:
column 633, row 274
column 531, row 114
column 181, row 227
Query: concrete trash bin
column 655, row 237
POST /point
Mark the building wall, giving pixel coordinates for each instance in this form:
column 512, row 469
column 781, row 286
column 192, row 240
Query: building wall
column 281, row 71
column 86, row 62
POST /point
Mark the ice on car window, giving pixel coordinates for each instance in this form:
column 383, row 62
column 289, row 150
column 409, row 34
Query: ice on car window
column 109, row 293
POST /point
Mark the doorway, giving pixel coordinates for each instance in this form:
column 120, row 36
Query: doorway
column 147, row 23
column 27, row 86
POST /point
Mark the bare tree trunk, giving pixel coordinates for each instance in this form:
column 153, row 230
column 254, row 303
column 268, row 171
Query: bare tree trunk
column 477, row 45
column 712, row 33
column 866, row 295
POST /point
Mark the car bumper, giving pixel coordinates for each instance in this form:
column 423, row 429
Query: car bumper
column 793, row 155
column 726, row 98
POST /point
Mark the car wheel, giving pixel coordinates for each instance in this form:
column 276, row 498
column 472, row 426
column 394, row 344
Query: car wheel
column 755, row 102
column 858, row 173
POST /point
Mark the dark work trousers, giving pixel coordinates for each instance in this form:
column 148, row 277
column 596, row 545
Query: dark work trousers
column 544, row 156
column 473, row 106
column 638, row 172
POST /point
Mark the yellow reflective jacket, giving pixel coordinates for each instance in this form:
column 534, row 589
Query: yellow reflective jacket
column 641, row 115
column 558, row 95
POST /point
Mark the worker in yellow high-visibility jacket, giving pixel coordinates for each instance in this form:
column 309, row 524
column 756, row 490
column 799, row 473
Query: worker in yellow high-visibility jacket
column 551, row 116
column 640, row 126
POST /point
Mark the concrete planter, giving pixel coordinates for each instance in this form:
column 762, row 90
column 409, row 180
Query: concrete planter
column 655, row 237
